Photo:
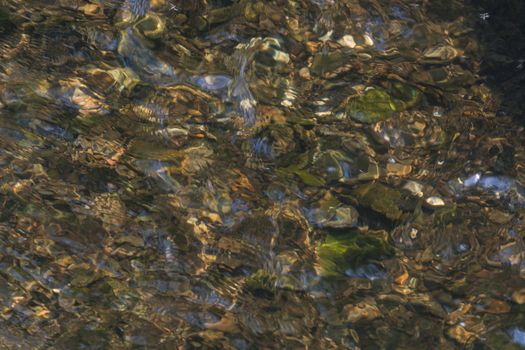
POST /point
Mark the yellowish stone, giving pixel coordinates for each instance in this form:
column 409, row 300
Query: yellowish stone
column 397, row 169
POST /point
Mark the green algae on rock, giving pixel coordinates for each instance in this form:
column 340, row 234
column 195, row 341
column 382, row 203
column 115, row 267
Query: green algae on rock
column 377, row 104
column 318, row 168
column 341, row 251
column 380, row 198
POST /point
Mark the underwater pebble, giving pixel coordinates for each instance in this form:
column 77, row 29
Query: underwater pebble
column 91, row 9
column 461, row 335
column 435, row 201
column 119, row 198
column 366, row 310
column 498, row 307
column 413, row 233
column 519, row 296
column 347, row 41
column 281, row 56
column 327, row 36
column 414, row 187
column 437, row 112
column 305, row 73
column 499, row 216
column 441, row 53
column 398, row 169
column 368, row 40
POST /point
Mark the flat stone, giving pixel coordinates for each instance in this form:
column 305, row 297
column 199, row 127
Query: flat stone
column 519, row 296
column 397, row 169
column 365, row 310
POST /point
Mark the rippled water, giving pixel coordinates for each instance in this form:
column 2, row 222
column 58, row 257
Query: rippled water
column 259, row 175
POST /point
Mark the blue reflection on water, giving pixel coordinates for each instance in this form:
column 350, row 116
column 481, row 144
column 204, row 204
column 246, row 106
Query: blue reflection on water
column 518, row 336
column 370, row 271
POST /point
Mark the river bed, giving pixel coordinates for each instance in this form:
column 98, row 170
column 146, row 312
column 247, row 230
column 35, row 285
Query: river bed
column 308, row 174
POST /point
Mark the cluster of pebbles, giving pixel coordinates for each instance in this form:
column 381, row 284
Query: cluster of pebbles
column 256, row 174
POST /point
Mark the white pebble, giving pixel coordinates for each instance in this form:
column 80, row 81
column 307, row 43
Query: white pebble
column 281, row 56
column 435, row 201
column 347, row 41
column 327, row 36
column 368, row 40
column 415, row 188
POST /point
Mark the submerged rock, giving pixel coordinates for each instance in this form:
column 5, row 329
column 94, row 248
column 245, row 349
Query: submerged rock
column 328, row 62
column 330, row 213
column 333, row 165
column 233, row 174
column 440, row 54
column 435, row 201
column 141, row 59
column 380, row 198
column 366, row 310
column 339, row 252
column 377, row 104
column 151, row 26
column 499, row 186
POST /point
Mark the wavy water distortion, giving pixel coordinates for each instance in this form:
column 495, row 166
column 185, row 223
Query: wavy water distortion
column 209, row 174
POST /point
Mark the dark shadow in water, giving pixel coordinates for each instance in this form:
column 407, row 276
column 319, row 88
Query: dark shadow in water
column 501, row 34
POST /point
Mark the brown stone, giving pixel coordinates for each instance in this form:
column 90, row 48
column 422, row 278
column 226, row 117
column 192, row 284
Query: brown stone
column 365, row 310
column 498, row 307
column 397, row 169
column 519, row 296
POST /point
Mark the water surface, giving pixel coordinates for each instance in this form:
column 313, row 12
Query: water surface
column 259, row 175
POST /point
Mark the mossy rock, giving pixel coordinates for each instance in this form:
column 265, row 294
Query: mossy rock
column 445, row 215
column 378, row 104
column 380, row 198
column 406, row 93
column 373, row 106
column 331, row 166
column 340, row 252
column 298, row 169
column 261, row 283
